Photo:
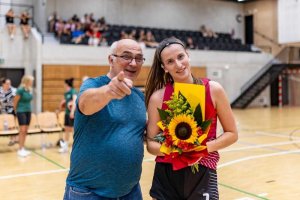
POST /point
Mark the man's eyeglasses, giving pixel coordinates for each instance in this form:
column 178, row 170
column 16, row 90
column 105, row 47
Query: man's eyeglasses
column 139, row 59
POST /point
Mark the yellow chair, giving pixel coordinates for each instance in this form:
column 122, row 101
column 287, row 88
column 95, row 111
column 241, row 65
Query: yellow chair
column 48, row 122
column 34, row 126
column 61, row 119
column 8, row 125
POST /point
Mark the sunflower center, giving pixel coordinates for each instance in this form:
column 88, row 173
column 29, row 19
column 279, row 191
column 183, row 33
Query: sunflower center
column 183, row 131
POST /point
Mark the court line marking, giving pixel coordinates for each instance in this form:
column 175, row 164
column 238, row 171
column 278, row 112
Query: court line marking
column 276, row 135
column 256, row 157
column 48, row 159
column 242, row 191
column 33, row 173
column 254, row 146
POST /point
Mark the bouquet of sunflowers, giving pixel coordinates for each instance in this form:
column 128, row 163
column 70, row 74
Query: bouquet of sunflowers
column 184, row 129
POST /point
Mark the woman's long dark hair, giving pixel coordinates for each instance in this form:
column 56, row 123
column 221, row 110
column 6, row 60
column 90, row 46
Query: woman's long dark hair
column 69, row 82
column 157, row 78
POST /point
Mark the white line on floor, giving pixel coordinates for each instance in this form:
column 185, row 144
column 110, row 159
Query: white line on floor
column 33, row 173
column 256, row 157
column 276, row 135
column 254, row 146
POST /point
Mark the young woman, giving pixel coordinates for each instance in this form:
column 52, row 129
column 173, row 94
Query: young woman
column 172, row 64
column 24, row 23
column 22, row 106
column 9, row 17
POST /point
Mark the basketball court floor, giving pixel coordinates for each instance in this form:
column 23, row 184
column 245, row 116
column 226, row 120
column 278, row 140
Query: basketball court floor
column 263, row 164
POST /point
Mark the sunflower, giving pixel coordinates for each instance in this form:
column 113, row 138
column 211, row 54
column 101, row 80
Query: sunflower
column 183, row 128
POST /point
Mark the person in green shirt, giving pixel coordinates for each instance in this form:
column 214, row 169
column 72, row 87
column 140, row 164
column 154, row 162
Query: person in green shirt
column 68, row 102
column 22, row 106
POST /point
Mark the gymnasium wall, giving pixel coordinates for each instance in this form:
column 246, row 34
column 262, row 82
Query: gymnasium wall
column 265, row 21
column 288, row 21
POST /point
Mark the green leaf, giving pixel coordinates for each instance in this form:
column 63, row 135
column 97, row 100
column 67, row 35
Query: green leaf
column 179, row 150
column 186, row 103
column 197, row 143
column 198, row 115
column 163, row 114
column 205, row 124
column 195, row 168
column 160, row 138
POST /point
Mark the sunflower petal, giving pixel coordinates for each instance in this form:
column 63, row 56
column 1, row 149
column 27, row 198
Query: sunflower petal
column 164, row 149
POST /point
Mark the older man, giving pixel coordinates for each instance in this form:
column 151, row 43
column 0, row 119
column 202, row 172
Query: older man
column 106, row 160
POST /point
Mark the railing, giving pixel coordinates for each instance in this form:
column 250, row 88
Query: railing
column 267, row 38
column 282, row 57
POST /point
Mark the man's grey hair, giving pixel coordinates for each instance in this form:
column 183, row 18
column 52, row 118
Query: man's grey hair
column 113, row 47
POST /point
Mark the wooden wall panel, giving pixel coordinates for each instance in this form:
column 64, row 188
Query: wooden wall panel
column 93, row 71
column 199, row 72
column 142, row 78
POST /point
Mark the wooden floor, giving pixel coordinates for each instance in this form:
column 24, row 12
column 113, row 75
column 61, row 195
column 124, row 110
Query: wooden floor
column 263, row 164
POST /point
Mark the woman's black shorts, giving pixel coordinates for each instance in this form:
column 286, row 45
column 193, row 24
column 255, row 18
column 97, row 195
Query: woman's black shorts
column 68, row 121
column 184, row 184
column 24, row 118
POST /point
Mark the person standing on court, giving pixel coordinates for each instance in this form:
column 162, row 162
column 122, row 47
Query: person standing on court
column 110, row 119
column 68, row 102
column 22, row 107
column 172, row 64
column 7, row 94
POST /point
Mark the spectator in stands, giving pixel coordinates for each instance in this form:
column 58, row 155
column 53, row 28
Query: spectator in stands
column 91, row 18
column 102, row 25
column 132, row 35
column 7, row 94
column 78, row 34
column 123, row 35
column 75, row 18
column 103, row 42
column 142, row 38
column 24, row 23
column 206, row 32
column 94, row 35
column 107, row 154
column 59, row 28
column 150, row 40
column 22, row 107
column 9, row 17
column 171, row 64
column 69, row 104
column 85, row 19
column 190, row 43
column 52, row 21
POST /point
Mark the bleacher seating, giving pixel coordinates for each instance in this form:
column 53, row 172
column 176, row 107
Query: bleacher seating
column 223, row 42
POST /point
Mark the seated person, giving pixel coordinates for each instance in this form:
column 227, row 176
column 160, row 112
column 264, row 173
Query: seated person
column 132, row 34
column 103, row 42
column 94, row 35
column 190, row 43
column 78, row 34
column 24, row 23
column 150, row 40
column 9, row 17
column 52, row 21
column 206, row 32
